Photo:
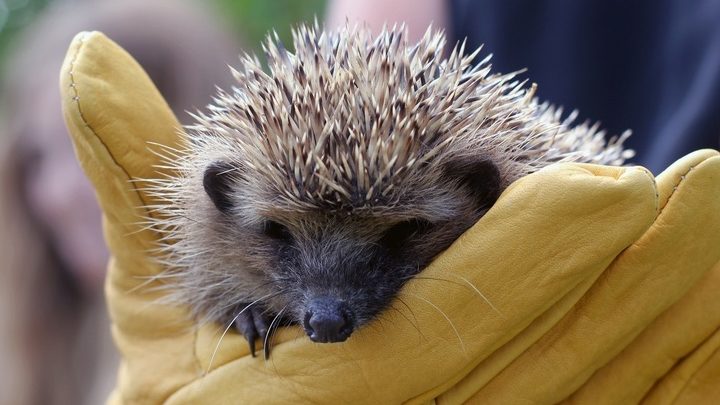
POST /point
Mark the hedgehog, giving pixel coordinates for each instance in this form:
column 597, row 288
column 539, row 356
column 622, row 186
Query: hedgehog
column 313, row 190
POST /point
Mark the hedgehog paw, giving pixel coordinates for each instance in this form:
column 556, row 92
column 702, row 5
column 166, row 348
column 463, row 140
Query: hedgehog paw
column 252, row 323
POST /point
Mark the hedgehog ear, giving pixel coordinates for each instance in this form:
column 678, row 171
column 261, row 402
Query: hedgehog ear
column 217, row 183
column 481, row 176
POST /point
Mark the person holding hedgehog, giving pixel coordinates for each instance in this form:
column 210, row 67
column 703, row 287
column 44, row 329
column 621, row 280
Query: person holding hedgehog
column 567, row 283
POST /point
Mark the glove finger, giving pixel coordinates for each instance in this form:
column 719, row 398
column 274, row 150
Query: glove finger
column 641, row 283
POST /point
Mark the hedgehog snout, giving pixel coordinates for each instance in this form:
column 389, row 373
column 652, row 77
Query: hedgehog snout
column 328, row 320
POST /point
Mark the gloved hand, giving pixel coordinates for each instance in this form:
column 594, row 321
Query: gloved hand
column 588, row 284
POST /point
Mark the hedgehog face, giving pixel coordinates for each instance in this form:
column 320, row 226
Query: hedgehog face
column 336, row 269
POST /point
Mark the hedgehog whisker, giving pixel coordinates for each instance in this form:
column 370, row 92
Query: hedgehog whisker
column 467, row 282
column 258, row 287
column 479, row 293
column 435, row 279
column 447, row 318
column 406, row 318
column 230, row 324
column 412, row 313
column 270, row 332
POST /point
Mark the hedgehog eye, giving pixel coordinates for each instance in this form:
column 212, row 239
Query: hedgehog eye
column 277, row 231
column 399, row 233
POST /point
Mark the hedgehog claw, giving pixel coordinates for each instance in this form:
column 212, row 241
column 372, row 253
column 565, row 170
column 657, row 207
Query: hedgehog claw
column 252, row 324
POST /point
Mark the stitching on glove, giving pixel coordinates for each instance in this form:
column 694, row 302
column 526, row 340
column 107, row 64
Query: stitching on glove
column 655, row 187
column 76, row 99
column 677, row 185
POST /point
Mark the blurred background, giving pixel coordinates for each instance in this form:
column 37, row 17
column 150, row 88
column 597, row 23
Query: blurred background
column 55, row 342
column 649, row 65
column 249, row 19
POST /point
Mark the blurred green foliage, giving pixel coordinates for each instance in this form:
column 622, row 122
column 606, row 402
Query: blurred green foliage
column 14, row 16
column 251, row 19
column 254, row 19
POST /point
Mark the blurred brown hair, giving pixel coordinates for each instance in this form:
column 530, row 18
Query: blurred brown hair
column 54, row 338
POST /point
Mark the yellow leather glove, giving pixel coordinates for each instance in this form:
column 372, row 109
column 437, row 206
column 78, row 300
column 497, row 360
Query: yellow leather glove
column 603, row 283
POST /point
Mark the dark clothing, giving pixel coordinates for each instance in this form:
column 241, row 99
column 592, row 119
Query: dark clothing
column 652, row 66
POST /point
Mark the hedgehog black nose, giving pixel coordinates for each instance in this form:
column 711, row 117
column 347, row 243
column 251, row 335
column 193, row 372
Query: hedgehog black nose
column 328, row 320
